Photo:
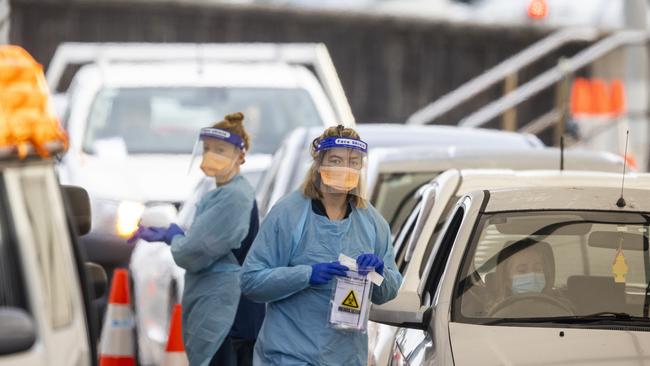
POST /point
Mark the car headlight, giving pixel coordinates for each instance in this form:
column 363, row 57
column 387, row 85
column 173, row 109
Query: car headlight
column 128, row 218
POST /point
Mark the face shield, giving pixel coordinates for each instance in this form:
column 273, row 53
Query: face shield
column 342, row 165
column 219, row 151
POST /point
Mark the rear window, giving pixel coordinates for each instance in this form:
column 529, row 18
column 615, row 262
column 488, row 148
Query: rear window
column 167, row 120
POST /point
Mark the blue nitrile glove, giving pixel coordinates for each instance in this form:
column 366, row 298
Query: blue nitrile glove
column 171, row 232
column 322, row 273
column 371, row 260
column 152, row 233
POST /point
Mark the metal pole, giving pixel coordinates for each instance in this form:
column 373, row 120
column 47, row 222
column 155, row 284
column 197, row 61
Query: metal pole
column 636, row 82
column 509, row 119
column 4, row 21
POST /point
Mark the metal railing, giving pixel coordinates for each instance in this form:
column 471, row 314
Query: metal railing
column 551, row 77
column 501, row 72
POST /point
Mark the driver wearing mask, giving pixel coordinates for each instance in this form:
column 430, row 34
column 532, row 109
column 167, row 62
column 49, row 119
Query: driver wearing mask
column 526, row 267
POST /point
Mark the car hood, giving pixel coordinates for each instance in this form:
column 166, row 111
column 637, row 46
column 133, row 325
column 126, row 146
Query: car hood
column 511, row 345
column 145, row 178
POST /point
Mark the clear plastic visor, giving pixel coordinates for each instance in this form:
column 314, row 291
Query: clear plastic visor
column 343, row 170
column 215, row 157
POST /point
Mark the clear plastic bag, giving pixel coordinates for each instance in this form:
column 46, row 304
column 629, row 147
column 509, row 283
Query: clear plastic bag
column 350, row 301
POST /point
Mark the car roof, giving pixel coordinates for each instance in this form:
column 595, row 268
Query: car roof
column 400, row 135
column 126, row 74
column 426, row 159
column 480, row 179
column 567, row 195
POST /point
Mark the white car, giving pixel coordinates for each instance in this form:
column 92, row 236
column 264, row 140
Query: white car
column 400, row 196
column 133, row 115
column 425, row 253
column 46, row 309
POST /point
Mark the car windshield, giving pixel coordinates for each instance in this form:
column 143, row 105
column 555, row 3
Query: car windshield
column 166, row 120
column 556, row 266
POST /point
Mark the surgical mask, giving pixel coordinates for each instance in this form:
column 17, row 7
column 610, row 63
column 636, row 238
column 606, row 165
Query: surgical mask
column 343, row 178
column 528, row 282
column 214, row 164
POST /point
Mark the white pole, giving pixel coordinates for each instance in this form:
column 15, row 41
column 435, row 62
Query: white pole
column 636, row 83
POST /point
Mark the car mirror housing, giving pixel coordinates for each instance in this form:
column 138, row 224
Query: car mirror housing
column 407, row 318
column 18, row 331
column 79, row 202
column 98, row 279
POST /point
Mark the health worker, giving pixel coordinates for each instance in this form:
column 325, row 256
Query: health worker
column 224, row 223
column 294, row 258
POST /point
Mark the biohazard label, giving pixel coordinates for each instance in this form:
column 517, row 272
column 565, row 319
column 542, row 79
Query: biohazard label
column 351, row 301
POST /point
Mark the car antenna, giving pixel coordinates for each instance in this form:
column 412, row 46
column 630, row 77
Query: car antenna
column 562, row 153
column 621, row 201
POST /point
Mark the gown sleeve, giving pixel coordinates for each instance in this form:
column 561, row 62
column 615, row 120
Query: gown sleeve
column 214, row 233
column 266, row 274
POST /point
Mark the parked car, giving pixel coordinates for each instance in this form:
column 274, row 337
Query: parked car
column 134, row 111
column 46, row 289
column 576, row 214
column 292, row 159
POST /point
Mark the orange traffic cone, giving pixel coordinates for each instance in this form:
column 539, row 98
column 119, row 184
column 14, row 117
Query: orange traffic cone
column 175, row 351
column 116, row 347
column 617, row 93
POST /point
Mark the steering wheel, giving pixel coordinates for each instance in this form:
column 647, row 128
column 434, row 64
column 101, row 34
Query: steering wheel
column 540, row 305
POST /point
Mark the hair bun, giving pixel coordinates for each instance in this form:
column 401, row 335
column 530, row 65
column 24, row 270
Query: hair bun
column 237, row 117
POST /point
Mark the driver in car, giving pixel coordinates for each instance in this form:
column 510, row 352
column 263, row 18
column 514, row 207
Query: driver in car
column 525, row 282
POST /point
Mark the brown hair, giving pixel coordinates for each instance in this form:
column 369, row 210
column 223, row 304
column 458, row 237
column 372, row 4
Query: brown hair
column 234, row 122
column 311, row 184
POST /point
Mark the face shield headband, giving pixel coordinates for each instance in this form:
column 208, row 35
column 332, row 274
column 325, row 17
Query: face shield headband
column 217, row 133
column 341, row 142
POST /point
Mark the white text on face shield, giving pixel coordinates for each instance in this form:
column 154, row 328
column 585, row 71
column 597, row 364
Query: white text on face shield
column 351, row 142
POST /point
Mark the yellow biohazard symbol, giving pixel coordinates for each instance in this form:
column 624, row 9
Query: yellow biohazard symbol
column 351, row 301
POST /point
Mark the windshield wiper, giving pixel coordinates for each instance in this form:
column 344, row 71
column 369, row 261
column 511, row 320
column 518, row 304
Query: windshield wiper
column 601, row 317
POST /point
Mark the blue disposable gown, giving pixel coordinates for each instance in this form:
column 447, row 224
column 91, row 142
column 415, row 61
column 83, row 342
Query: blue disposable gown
column 277, row 271
column 212, row 290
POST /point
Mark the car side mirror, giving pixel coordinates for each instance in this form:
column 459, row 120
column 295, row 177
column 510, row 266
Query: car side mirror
column 406, row 318
column 79, row 202
column 97, row 278
column 159, row 215
column 18, row 331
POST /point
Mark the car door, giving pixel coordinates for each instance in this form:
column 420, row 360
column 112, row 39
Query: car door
column 416, row 345
column 46, row 250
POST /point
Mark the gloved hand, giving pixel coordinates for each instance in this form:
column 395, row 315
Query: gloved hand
column 171, row 232
column 371, row 260
column 322, row 273
column 152, row 233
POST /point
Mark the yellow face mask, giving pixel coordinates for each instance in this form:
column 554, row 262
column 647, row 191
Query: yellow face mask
column 340, row 178
column 214, row 164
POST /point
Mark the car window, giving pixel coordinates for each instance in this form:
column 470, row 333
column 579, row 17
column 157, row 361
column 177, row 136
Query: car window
column 439, row 226
column 394, row 197
column 527, row 265
column 404, row 235
column 167, row 120
column 12, row 285
column 53, row 249
column 441, row 253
